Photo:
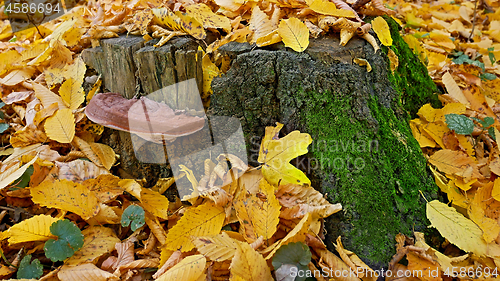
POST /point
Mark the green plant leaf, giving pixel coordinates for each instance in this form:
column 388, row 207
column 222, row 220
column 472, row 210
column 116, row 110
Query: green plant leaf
column 3, row 127
column 491, row 132
column 69, row 240
column 491, row 55
column 133, row 216
column 488, row 76
column 28, row 269
column 296, row 254
column 461, row 124
column 24, row 180
column 488, row 121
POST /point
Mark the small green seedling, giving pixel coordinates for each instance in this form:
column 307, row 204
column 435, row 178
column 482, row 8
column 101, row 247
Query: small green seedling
column 133, row 216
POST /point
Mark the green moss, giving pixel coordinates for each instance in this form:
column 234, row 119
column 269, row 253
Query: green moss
column 411, row 78
column 379, row 191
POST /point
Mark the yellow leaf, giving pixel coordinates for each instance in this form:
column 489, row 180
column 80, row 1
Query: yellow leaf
column 203, row 14
column 298, row 200
column 393, row 59
column 72, row 93
column 203, row 220
column 495, row 193
column 298, row 234
column 259, row 24
column 453, row 226
column 8, row 176
column 189, row 269
column 79, row 170
column 36, row 228
column 249, row 265
column 363, row 62
column 47, row 97
column 275, row 155
column 210, row 71
column 95, row 88
column 98, row 240
column 329, row 8
column 179, row 22
column 453, row 89
column 66, row 195
column 420, row 135
column 86, row 271
column 269, row 39
column 155, row 203
column 242, row 209
column 436, row 130
column 76, row 70
column 17, row 76
column 218, row 248
column 105, row 154
column 61, row 126
column 489, row 226
column 382, row 30
column 132, row 187
column 265, row 215
column 455, row 163
column 294, row 34
column 416, row 46
column 86, row 148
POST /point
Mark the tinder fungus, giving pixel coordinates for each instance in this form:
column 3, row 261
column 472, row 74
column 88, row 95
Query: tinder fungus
column 141, row 116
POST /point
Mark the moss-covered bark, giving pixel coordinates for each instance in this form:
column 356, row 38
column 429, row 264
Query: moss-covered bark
column 363, row 154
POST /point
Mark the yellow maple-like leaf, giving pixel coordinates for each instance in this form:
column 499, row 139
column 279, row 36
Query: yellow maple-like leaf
column 382, row 30
column 203, row 14
column 155, row 203
column 61, row 126
column 265, row 215
column 66, row 195
column 275, row 155
column 98, row 240
column 453, row 226
column 328, row 8
column 249, row 265
column 36, row 228
column 72, row 94
column 203, row 220
column 189, row 269
column 218, row 248
column 294, row 34
column 11, row 174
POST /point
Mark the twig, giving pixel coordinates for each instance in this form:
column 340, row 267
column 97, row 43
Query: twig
column 473, row 22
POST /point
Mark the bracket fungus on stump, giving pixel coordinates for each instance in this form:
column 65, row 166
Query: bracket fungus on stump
column 144, row 117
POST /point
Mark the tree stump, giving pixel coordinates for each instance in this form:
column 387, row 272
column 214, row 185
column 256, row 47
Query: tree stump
column 131, row 67
column 363, row 153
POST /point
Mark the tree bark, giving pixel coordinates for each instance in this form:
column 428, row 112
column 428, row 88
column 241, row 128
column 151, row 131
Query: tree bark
column 363, row 153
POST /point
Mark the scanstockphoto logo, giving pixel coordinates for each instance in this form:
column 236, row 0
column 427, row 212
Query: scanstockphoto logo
column 171, row 126
column 328, row 154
